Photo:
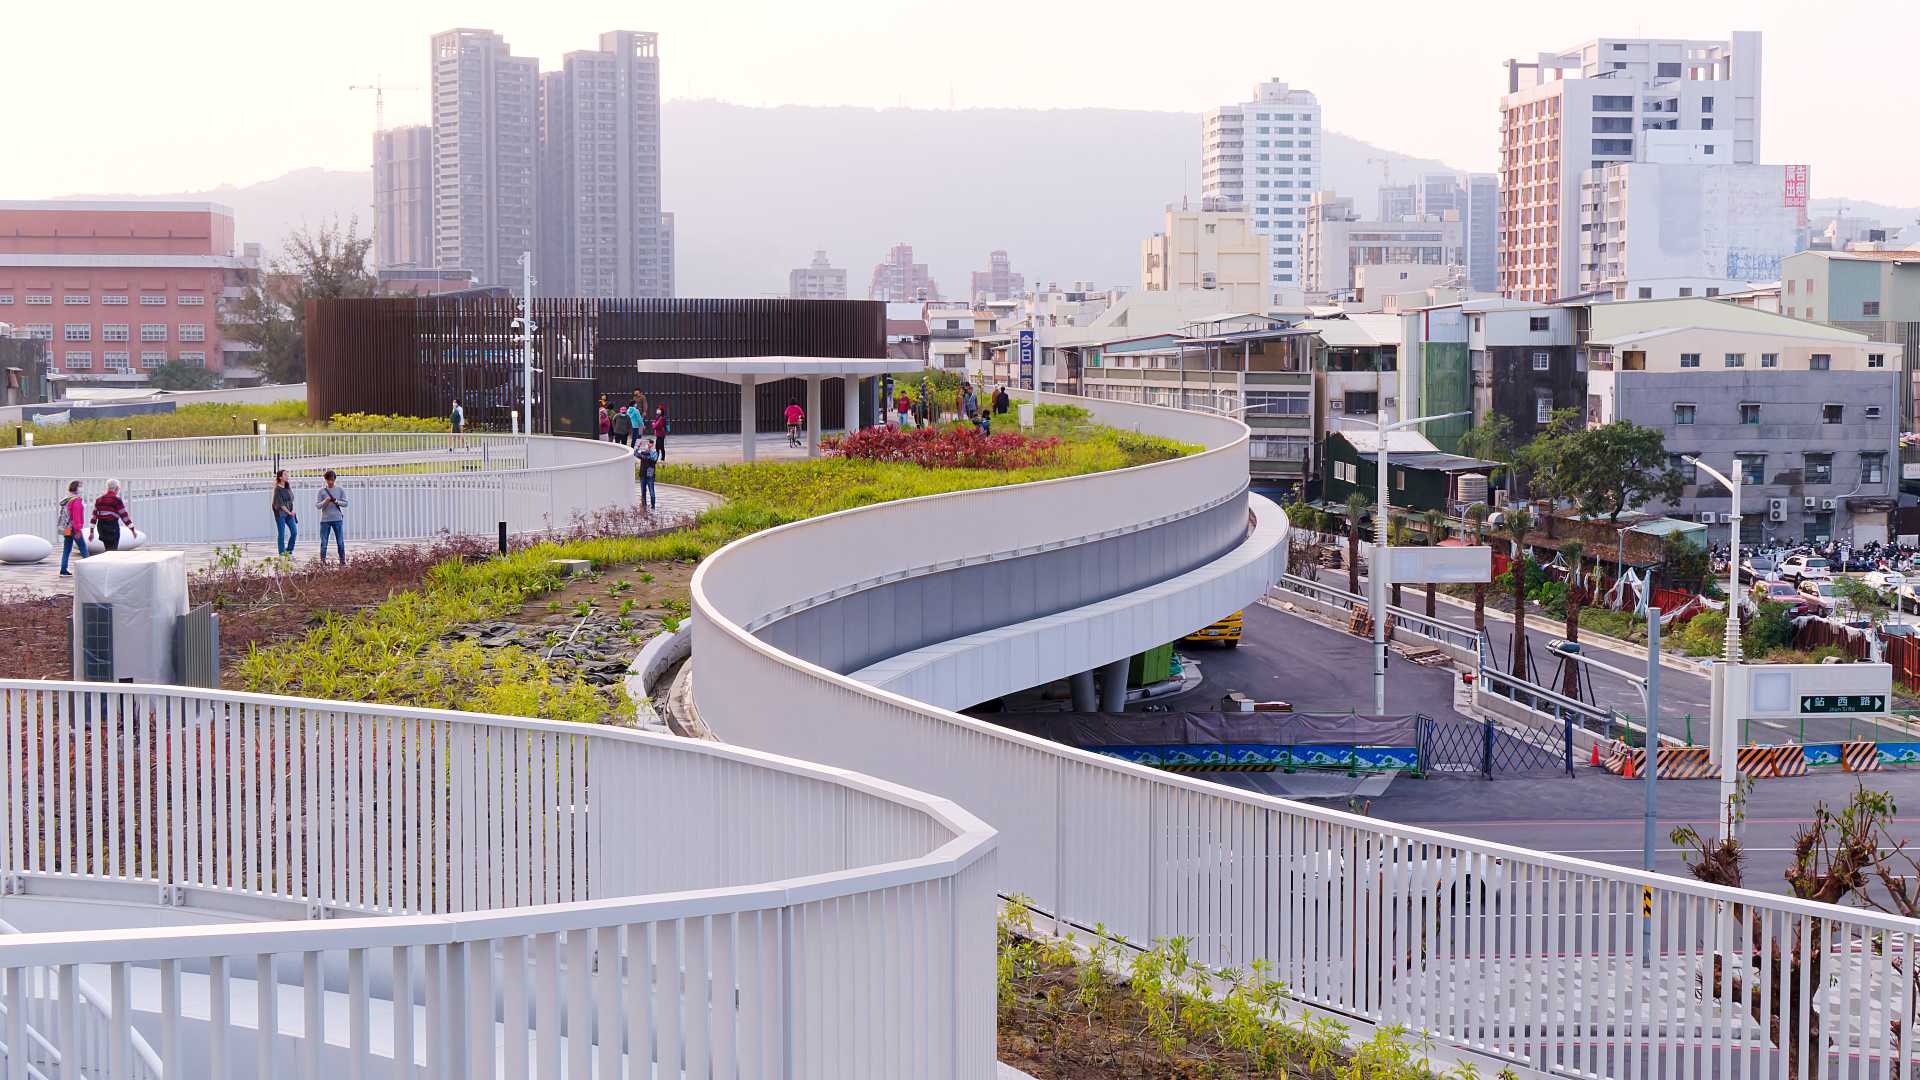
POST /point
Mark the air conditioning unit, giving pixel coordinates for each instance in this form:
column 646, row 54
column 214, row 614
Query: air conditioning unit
column 1826, row 504
column 1809, row 502
column 1776, row 509
column 1707, row 518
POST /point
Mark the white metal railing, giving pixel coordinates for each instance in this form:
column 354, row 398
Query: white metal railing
column 1404, row 619
column 1530, row 957
column 92, row 1030
column 483, row 895
column 218, row 489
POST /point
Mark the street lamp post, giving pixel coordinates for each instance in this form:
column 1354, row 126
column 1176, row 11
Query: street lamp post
column 1377, row 577
column 1723, row 718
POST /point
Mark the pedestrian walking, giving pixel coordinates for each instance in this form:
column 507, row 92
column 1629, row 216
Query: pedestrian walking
column 109, row 513
column 606, row 422
column 636, row 423
column 648, row 460
column 903, row 408
column 459, row 422
column 73, row 526
column 621, row 423
column 286, row 524
column 1001, row 402
column 661, row 427
column 332, row 504
column 969, row 401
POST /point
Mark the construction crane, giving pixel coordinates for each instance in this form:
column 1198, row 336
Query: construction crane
column 380, row 88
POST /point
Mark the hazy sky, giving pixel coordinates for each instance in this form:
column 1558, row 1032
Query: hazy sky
column 143, row 97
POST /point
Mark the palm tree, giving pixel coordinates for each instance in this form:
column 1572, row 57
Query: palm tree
column 1357, row 504
column 1398, row 535
column 1574, row 552
column 1518, row 523
column 1436, row 523
column 1477, row 520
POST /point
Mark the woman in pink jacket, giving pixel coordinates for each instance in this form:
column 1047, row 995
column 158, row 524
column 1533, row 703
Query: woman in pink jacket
column 73, row 526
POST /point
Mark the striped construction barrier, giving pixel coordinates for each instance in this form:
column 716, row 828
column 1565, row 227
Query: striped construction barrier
column 1860, row 757
column 1674, row 762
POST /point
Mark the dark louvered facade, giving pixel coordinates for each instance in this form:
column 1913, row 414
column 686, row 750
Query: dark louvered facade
column 413, row 356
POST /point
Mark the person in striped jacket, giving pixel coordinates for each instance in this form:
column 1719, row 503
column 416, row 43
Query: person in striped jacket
column 109, row 513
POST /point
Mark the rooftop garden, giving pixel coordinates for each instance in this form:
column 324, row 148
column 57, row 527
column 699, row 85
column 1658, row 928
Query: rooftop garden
column 221, row 418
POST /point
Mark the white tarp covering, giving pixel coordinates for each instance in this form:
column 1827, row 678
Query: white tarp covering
column 148, row 591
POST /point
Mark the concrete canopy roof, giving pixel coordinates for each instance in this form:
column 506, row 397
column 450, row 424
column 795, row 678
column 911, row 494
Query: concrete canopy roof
column 733, row 368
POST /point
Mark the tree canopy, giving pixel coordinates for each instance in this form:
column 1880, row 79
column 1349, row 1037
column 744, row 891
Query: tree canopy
column 1604, row 470
column 175, row 375
column 323, row 264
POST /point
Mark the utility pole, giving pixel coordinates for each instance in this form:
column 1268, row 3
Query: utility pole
column 1725, row 718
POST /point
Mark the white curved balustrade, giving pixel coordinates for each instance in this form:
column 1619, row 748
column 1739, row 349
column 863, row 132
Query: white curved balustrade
column 1524, row 957
column 218, row 489
column 468, row 895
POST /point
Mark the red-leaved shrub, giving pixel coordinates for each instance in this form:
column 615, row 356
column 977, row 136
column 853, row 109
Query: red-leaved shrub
column 952, row 447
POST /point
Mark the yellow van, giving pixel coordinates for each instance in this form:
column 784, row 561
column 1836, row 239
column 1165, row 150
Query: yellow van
column 1226, row 632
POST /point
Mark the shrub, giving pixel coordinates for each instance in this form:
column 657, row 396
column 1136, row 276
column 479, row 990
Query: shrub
column 956, row 447
column 357, row 422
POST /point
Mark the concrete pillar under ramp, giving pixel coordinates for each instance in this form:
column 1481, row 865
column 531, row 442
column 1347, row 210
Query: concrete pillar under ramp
column 813, row 416
column 851, row 385
column 749, row 418
column 1113, row 686
column 1083, row 697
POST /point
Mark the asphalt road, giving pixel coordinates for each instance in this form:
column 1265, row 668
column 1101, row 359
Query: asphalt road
column 1684, row 697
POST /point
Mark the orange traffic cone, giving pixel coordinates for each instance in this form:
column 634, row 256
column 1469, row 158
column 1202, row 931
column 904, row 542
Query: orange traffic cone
column 1626, row 769
column 1595, row 761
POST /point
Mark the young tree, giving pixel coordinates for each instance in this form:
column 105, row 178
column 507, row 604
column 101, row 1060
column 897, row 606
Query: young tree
column 1615, row 467
column 1547, row 465
column 176, row 375
column 1398, row 535
column 1575, row 553
column 1489, row 440
column 323, row 264
column 1477, row 521
column 1516, row 526
column 1357, row 504
column 1436, row 525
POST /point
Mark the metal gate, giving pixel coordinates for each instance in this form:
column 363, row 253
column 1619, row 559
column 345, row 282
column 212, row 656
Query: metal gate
column 1490, row 749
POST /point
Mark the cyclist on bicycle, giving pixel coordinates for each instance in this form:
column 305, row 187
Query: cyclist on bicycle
column 795, row 417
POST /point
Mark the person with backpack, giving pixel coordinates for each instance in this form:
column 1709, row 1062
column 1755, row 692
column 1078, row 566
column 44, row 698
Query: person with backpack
column 621, row 423
column 72, row 523
column 286, row 524
column 109, row 513
column 1001, row 402
column 648, row 461
column 661, row 426
column 332, row 503
column 459, row 421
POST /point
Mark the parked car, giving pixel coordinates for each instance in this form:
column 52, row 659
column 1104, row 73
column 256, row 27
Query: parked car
column 1887, row 581
column 1798, row 568
column 1779, row 592
column 1759, row 568
column 1822, row 594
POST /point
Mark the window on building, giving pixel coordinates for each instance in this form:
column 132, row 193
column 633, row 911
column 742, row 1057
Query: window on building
column 79, row 360
column 1706, row 104
column 77, row 332
column 40, row 331
column 153, row 331
column 115, row 332
column 1686, row 291
column 1819, row 468
column 1537, row 323
column 1362, row 402
column 1399, row 479
column 196, row 359
column 1753, row 468
column 1873, row 468
column 38, row 299
column 1613, row 146
column 76, row 299
column 1769, row 359
column 1809, row 286
column 1820, row 362
column 1706, row 124
column 114, row 299
column 1790, row 288
column 1543, row 406
column 117, row 361
column 152, row 358
column 1278, row 402
column 1667, row 70
column 1542, row 361
column 1688, row 472
column 193, row 331
column 1712, row 291
column 190, row 300
column 1707, row 150
column 1736, row 359
column 1606, row 125
column 1878, row 360
column 1872, row 412
column 1749, row 412
column 1689, row 359
column 1833, row 414
column 153, row 299
column 1646, row 292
